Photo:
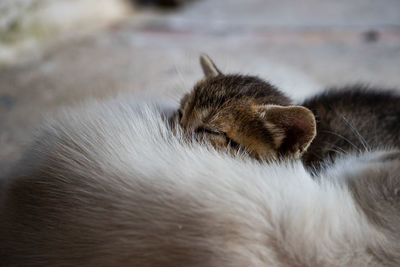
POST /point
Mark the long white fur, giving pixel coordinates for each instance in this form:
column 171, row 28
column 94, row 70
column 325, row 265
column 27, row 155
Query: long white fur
column 249, row 213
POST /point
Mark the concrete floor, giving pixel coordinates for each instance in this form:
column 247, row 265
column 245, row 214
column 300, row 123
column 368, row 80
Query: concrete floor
column 301, row 46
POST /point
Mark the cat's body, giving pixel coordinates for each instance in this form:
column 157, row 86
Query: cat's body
column 110, row 185
column 352, row 119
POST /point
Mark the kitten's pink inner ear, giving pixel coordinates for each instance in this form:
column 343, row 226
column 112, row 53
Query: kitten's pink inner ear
column 296, row 124
column 208, row 66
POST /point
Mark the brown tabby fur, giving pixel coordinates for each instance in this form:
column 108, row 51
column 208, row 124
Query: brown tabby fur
column 246, row 112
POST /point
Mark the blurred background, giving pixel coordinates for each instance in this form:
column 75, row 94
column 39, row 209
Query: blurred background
column 56, row 53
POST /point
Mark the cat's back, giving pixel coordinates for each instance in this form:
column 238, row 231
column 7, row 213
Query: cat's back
column 354, row 118
column 109, row 185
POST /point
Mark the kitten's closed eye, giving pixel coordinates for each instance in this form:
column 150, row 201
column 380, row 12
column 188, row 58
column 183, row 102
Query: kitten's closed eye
column 206, row 130
column 218, row 138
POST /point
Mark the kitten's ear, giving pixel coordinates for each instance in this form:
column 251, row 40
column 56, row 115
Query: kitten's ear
column 292, row 127
column 208, row 66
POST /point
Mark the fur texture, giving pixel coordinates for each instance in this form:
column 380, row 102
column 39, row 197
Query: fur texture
column 255, row 116
column 245, row 112
column 352, row 119
column 110, row 185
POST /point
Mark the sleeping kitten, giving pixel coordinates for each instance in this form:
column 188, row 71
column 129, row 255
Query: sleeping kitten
column 111, row 185
column 255, row 116
column 245, row 112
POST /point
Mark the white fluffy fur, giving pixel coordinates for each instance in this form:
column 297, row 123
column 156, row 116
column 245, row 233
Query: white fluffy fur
column 119, row 189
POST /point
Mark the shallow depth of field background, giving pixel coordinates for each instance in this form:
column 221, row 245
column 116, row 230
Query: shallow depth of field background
column 56, row 53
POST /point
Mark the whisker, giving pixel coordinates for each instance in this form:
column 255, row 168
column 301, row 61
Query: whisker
column 317, row 155
column 337, row 151
column 343, row 138
column 357, row 133
column 342, row 149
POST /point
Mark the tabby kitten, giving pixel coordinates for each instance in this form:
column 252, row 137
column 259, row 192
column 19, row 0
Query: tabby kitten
column 245, row 112
column 249, row 113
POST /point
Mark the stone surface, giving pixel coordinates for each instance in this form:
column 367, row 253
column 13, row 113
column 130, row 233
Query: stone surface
column 302, row 46
column 26, row 25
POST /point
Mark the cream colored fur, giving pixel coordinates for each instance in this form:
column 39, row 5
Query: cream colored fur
column 109, row 185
